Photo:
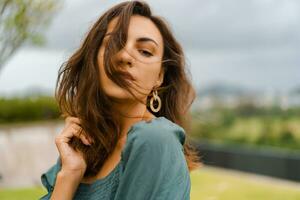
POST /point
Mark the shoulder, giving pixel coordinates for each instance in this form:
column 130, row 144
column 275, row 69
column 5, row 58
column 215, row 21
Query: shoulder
column 153, row 162
column 158, row 131
column 157, row 136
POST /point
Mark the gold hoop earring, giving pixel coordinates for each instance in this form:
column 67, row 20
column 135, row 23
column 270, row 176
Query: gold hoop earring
column 157, row 98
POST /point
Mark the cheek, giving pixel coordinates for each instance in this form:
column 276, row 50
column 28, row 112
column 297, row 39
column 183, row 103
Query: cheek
column 148, row 75
column 103, row 77
column 100, row 59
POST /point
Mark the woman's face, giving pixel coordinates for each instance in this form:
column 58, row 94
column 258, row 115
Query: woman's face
column 141, row 57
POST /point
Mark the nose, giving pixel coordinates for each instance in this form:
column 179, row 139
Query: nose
column 124, row 58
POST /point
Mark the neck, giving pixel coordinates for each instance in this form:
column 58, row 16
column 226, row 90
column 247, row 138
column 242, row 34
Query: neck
column 128, row 114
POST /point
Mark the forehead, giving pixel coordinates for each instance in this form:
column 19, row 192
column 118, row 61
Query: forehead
column 140, row 26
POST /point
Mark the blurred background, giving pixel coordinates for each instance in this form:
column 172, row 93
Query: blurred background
column 243, row 58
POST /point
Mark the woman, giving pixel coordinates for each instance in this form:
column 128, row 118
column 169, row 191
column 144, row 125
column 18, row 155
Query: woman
column 125, row 97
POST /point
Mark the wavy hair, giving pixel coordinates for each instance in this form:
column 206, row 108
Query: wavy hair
column 79, row 93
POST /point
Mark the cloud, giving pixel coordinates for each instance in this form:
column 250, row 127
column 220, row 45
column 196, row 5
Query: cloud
column 205, row 24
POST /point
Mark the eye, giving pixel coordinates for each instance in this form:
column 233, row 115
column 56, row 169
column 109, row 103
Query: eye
column 146, row 53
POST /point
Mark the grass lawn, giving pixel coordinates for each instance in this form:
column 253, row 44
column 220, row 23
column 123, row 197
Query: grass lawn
column 22, row 194
column 208, row 183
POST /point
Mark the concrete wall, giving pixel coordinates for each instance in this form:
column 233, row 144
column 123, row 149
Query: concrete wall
column 26, row 151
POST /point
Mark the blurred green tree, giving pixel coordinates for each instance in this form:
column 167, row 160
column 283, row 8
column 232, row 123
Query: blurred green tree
column 23, row 21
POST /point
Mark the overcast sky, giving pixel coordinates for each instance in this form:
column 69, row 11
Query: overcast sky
column 197, row 23
column 254, row 43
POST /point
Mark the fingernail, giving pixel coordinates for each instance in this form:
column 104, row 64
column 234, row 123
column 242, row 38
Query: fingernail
column 90, row 141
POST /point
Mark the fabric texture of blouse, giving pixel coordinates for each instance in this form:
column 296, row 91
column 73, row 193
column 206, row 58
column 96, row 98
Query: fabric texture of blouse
column 152, row 167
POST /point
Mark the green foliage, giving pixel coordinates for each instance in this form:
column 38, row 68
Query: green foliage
column 28, row 109
column 250, row 125
column 23, row 21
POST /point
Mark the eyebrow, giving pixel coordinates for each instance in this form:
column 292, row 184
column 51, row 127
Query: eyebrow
column 146, row 39
column 141, row 39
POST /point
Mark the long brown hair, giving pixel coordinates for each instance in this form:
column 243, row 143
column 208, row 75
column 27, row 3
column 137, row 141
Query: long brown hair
column 79, row 93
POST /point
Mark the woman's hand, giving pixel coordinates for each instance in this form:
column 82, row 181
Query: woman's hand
column 72, row 161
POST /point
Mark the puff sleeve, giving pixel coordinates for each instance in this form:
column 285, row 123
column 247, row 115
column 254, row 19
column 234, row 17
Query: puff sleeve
column 49, row 177
column 154, row 165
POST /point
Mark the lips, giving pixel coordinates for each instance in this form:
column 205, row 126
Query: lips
column 125, row 75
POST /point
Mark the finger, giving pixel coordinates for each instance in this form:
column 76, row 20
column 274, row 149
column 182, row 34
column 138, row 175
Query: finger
column 61, row 141
column 70, row 120
column 76, row 128
column 62, row 146
column 79, row 128
column 70, row 131
column 83, row 139
column 79, row 133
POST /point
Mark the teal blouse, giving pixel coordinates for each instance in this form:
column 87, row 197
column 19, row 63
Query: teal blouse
column 152, row 167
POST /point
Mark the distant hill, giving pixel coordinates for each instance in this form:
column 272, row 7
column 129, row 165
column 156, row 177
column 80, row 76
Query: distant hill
column 295, row 91
column 225, row 89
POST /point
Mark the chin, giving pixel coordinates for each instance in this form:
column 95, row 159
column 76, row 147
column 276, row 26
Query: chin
column 117, row 93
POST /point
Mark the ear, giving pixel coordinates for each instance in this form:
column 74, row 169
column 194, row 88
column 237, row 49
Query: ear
column 160, row 79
